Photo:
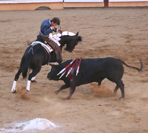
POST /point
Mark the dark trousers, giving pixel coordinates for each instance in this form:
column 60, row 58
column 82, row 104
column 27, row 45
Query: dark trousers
column 56, row 49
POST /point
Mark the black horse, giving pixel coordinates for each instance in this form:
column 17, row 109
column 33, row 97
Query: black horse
column 38, row 54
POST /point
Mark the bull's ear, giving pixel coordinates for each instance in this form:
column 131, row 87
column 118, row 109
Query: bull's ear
column 77, row 33
column 55, row 66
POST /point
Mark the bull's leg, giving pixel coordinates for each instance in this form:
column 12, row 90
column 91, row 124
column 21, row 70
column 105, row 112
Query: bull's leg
column 72, row 90
column 33, row 74
column 116, row 88
column 13, row 89
column 121, row 85
column 62, row 88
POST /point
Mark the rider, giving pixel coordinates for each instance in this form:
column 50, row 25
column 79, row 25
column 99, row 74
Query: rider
column 47, row 27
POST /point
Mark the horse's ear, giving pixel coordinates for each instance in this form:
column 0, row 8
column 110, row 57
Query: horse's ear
column 79, row 38
column 77, row 33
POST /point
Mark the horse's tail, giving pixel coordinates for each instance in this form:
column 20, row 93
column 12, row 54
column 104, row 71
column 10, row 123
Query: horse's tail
column 26, row 64
column 139, row 69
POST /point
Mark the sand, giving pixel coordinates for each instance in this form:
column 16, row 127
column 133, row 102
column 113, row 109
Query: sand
column 113, row 32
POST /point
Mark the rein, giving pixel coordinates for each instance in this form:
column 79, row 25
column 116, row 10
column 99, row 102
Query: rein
column 69, row 69
column 31, row 49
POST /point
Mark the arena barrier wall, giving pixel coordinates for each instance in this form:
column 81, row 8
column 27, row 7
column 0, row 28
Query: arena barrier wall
column 7, row 5
column 128, row 3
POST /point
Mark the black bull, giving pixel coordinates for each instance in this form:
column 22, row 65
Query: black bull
column 93, row 70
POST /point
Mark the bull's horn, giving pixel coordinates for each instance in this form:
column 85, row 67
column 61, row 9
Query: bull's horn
column 53, row 63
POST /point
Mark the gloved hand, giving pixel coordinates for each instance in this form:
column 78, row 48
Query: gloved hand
column 53, row 28
column 59, row 30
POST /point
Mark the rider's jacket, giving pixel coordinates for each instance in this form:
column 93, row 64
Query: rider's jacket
column 46, row 28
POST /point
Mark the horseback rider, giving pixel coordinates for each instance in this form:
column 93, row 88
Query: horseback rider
column 46, row 29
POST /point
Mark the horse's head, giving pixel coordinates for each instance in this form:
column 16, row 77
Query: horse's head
column 71, row 40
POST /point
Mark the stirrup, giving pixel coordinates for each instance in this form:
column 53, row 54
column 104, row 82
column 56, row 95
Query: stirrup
column 53, row 63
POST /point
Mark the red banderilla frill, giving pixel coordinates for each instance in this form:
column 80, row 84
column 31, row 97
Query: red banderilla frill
column 76, row 62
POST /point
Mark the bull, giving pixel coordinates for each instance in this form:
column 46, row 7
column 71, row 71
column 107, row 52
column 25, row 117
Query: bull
column 92, row 70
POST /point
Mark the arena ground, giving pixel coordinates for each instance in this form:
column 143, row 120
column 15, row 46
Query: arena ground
column 113, row 32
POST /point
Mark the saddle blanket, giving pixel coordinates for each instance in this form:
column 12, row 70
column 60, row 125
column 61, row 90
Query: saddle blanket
column 47, row 47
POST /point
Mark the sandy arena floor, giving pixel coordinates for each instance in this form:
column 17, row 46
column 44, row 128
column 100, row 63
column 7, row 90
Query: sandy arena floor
column 114, row 32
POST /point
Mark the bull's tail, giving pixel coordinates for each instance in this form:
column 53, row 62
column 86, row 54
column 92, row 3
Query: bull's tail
column 139, row 69
column 26, row 64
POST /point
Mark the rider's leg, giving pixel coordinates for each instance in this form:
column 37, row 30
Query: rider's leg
column 55, row 47
column 40, row 38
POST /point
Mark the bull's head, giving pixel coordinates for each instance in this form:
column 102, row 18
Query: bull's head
column 52, row 75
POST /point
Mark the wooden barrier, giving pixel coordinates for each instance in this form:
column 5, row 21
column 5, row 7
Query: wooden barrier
column 82, row 4
column 29, row 6
column 129, row 4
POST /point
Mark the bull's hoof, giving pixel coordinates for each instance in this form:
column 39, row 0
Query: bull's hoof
column 56, row 92
column 67, row 98
column 121, row 98
column 115, row 91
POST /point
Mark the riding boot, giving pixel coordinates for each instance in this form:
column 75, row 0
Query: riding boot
column 56, row 49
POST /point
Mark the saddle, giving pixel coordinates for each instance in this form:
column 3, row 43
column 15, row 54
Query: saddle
column 44, row 44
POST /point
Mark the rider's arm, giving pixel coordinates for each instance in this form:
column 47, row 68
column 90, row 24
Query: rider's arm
column 55, row 29
column 46, row 28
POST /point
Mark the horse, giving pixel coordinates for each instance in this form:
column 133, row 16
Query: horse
column 39, row 54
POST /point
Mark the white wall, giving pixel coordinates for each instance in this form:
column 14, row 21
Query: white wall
column 39, row 1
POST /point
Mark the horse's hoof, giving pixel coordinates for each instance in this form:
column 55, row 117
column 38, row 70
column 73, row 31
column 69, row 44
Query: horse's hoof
column 33, row 81
column 14, row 91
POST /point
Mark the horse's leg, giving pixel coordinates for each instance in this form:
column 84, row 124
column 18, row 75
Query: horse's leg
column 31, row 75
column 33, row 79
column 15, row 80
